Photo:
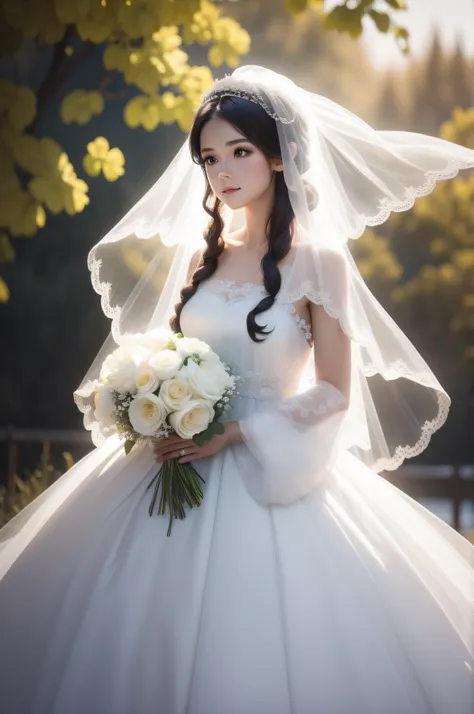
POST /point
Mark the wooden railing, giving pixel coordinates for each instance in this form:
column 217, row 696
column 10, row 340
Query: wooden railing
column 451, row 482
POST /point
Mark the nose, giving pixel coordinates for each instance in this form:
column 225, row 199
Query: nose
column 223, row 174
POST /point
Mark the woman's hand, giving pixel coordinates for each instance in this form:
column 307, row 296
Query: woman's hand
column 171, row 447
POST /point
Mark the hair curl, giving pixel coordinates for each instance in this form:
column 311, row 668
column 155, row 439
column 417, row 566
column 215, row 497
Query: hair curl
column 252, row 121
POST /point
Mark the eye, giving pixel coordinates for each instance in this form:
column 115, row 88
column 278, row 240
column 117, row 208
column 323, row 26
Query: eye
column 209, row 160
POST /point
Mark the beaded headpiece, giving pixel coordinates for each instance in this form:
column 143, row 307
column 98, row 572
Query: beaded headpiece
column 231, row 87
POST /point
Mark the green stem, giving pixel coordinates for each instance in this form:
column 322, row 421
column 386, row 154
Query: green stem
column 170, row 499
column 184, row 481
column 179, row 485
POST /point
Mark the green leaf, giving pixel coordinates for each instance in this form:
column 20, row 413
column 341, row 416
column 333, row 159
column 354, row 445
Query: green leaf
column 344, row 19
column 92, row 165
column 396, row 4
column 216, row 427
column 128, row 446
column 402, row 38
column 381, row 19
column 7, row 252
column 4, row 291
column 294, row 7
column 200, row 439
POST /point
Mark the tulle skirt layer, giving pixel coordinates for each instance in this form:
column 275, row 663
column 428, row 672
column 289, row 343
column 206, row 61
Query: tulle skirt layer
column 354, row 599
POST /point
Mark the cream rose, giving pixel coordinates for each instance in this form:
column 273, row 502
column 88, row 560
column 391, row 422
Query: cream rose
column 208, row 379
column 166, row 363
column 193, row 418
column 147, row 413
column 176, row 392
column 146, row 379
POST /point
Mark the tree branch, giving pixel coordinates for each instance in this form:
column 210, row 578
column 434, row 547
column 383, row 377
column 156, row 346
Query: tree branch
column 59, row 71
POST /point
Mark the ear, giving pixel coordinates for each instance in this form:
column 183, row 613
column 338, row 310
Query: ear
column 277, row 164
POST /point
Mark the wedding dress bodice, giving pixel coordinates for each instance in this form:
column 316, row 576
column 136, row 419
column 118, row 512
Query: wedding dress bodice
column 286, row 431
column 217, row 313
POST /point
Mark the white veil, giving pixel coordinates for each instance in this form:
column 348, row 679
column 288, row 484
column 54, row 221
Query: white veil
column 360, row 175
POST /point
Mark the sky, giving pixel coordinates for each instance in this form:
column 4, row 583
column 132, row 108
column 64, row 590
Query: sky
column 451, row 18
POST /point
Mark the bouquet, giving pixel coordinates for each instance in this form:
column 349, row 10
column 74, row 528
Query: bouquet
column 160, row 383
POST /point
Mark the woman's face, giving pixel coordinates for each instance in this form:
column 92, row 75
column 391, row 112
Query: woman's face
column 232, row 161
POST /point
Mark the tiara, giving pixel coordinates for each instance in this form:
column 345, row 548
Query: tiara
column 230, row 87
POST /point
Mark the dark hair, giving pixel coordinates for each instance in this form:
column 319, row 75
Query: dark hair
column 251, row 120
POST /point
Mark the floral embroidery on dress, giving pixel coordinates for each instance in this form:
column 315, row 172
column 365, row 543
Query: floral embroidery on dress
column 231, row 291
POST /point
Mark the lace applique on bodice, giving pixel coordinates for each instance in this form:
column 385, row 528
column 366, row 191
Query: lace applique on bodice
column 271, row 367
column 230, row 291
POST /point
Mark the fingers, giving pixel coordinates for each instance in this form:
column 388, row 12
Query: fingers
column 167, row 451
column 173, row 443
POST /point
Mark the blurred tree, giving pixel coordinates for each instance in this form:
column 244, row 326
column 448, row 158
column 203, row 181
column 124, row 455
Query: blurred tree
column 460, row 79
column 406, row 100
column 431, row 91
column 142, row 49
column 420, row 265
column 378, row 264
column 442, row 290
column 389, row 114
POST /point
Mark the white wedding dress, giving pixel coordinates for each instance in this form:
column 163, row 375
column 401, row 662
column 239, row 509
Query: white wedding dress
column 348, row 599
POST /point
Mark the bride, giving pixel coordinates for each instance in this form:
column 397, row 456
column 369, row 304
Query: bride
column 304, row 582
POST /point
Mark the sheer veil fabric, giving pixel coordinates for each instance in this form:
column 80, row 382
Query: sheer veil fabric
column 360, row 175
column 304, row 582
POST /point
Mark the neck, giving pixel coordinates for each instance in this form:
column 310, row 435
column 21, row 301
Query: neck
column 256, row 217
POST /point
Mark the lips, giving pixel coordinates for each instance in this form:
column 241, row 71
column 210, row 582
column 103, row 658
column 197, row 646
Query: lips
column 230, row 190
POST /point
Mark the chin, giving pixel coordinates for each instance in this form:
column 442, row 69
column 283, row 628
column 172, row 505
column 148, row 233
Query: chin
column 234, row 200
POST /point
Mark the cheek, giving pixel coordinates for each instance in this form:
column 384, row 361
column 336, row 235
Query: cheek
column 258, row 171
column 253, row 168
column 211, row 173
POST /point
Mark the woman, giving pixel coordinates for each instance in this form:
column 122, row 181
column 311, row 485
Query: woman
column 304, row 582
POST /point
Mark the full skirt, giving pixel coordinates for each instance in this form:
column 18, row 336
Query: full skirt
column 353, row 600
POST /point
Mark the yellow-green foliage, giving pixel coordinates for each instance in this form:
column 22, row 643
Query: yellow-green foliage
column 375, row 259
column 33, row 483
column 448, row 283
column 348, row 17
column 144, row 46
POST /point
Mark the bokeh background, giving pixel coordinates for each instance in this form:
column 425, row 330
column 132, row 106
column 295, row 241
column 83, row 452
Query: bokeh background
column 95, row 98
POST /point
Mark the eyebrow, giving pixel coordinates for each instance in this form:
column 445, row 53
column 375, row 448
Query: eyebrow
column 229, row 143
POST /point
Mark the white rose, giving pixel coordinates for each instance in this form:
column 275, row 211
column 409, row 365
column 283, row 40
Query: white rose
column 208, row 379
column 193, row 418
column 146, row 379
column 156, row 339
column 147, row 413
column 191, row 345
column 114, row 360
column 166, row 363
column 104, row 406
column 119, row 370
column 176, row 392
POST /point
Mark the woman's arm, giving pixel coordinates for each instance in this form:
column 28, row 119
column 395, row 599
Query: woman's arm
column 291, row 443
